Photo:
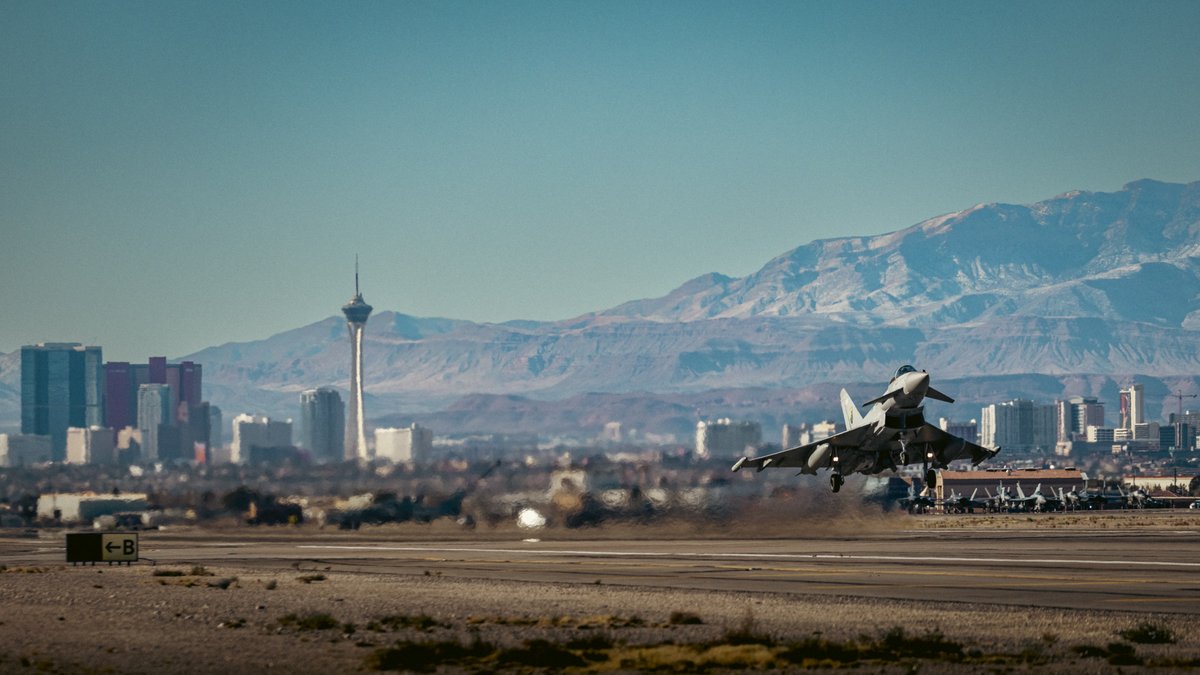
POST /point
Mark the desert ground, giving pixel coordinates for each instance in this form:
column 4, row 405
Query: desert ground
column 1078, row 592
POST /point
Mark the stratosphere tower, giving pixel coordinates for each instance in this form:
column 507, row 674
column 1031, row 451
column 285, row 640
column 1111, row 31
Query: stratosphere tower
column 356, row 311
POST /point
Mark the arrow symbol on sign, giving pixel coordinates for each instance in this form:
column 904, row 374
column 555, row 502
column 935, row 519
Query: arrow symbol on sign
column 109, row 546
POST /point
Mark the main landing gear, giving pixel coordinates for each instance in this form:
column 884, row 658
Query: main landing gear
column 836, row 481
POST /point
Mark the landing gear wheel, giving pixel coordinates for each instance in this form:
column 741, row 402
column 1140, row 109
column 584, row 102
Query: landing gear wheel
column 836, row 481
column 930, row 478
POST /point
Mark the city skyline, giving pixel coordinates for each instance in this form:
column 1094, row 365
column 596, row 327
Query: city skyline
column 531, row 161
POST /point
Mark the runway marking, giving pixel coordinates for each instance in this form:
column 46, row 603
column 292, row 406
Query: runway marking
column 801, row 573
column 755, row 556
column 1153, row 600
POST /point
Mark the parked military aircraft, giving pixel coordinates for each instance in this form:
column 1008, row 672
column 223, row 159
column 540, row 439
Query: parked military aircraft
column 891, row 434
column 1138, row 498
column 1035, row 501
column 917, row 502
column 958, row 503
column 1086, row 499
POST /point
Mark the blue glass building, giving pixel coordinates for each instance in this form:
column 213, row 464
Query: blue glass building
column 62, row 385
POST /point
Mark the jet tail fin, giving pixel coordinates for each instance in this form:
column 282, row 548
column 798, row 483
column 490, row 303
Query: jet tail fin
column 850, row 411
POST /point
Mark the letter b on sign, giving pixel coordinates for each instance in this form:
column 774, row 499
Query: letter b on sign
column 121, row 547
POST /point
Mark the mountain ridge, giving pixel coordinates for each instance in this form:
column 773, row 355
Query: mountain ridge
column 924, row 263
column 1085, row 283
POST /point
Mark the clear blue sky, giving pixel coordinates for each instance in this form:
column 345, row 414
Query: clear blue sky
column 180, row 174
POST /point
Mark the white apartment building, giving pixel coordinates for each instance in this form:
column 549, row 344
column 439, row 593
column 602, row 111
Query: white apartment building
column 411, row 444
column 251, row 431
column 1019, row 425
column 93, row 445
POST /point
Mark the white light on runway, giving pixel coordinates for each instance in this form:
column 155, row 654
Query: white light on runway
column 530, row 519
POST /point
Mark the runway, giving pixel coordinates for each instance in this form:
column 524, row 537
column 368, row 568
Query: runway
column 1130, row 570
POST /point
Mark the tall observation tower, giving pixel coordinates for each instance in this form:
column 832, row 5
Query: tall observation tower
column 356, row 312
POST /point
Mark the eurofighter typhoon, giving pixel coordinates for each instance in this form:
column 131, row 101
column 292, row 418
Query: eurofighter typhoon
column 893, row 433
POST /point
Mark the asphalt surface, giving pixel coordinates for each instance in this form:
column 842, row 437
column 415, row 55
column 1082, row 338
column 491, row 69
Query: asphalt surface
column 1139, row 570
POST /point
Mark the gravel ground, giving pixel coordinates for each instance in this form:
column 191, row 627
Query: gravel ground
column 127, row 619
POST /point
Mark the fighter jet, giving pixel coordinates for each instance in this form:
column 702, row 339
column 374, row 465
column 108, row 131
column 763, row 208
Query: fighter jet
column 893, row 433
column 1035, row 501
column 1086, row 499
column 1138, row 498
column 957, row 503
column 917, row 502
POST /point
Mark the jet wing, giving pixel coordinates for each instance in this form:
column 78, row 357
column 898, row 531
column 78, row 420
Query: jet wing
column 816, row 455
column 948, row 447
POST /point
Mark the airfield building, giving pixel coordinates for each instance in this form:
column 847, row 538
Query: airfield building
column 84, row 507
column 1158, row 482
column 982, row 483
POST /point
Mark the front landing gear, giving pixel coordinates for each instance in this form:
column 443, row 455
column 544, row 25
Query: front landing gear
column 836, row 481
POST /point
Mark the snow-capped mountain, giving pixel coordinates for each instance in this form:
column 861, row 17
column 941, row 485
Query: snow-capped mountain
column 1103, row 284
column 1082, row 254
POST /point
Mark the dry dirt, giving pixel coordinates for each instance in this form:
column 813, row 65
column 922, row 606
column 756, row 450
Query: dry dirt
column 230, row 619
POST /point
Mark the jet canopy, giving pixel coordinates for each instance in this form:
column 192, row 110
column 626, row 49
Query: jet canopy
column 904, row 369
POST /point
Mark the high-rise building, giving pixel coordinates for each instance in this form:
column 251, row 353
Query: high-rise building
column 412, row 444
column 826, row 428
column 611, row 433
column 93, row 445
column 62, row 385
column 1185, row 436
column 794, row 435
column 1075, row 415
column 155, row 421
column 726, row 438
column 23, row 450
column 323, row 424
column 968, row 431
column 195, row 432
column 357, row 311
column 1019, row 425
column 216, row 432
column 123, row 379
column 1133, row 406
column 251, row 431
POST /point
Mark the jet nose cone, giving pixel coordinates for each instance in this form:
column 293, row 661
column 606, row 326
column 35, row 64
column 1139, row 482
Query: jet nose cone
column 916, row 383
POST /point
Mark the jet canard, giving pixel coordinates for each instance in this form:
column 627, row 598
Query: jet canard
column 892, row 433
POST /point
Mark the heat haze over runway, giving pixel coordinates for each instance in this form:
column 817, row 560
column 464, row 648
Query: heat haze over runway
column 1140, row 570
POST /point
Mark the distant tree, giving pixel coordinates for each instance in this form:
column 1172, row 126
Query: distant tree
column 240, row 499
column 26, row 507
column 1194, row 486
